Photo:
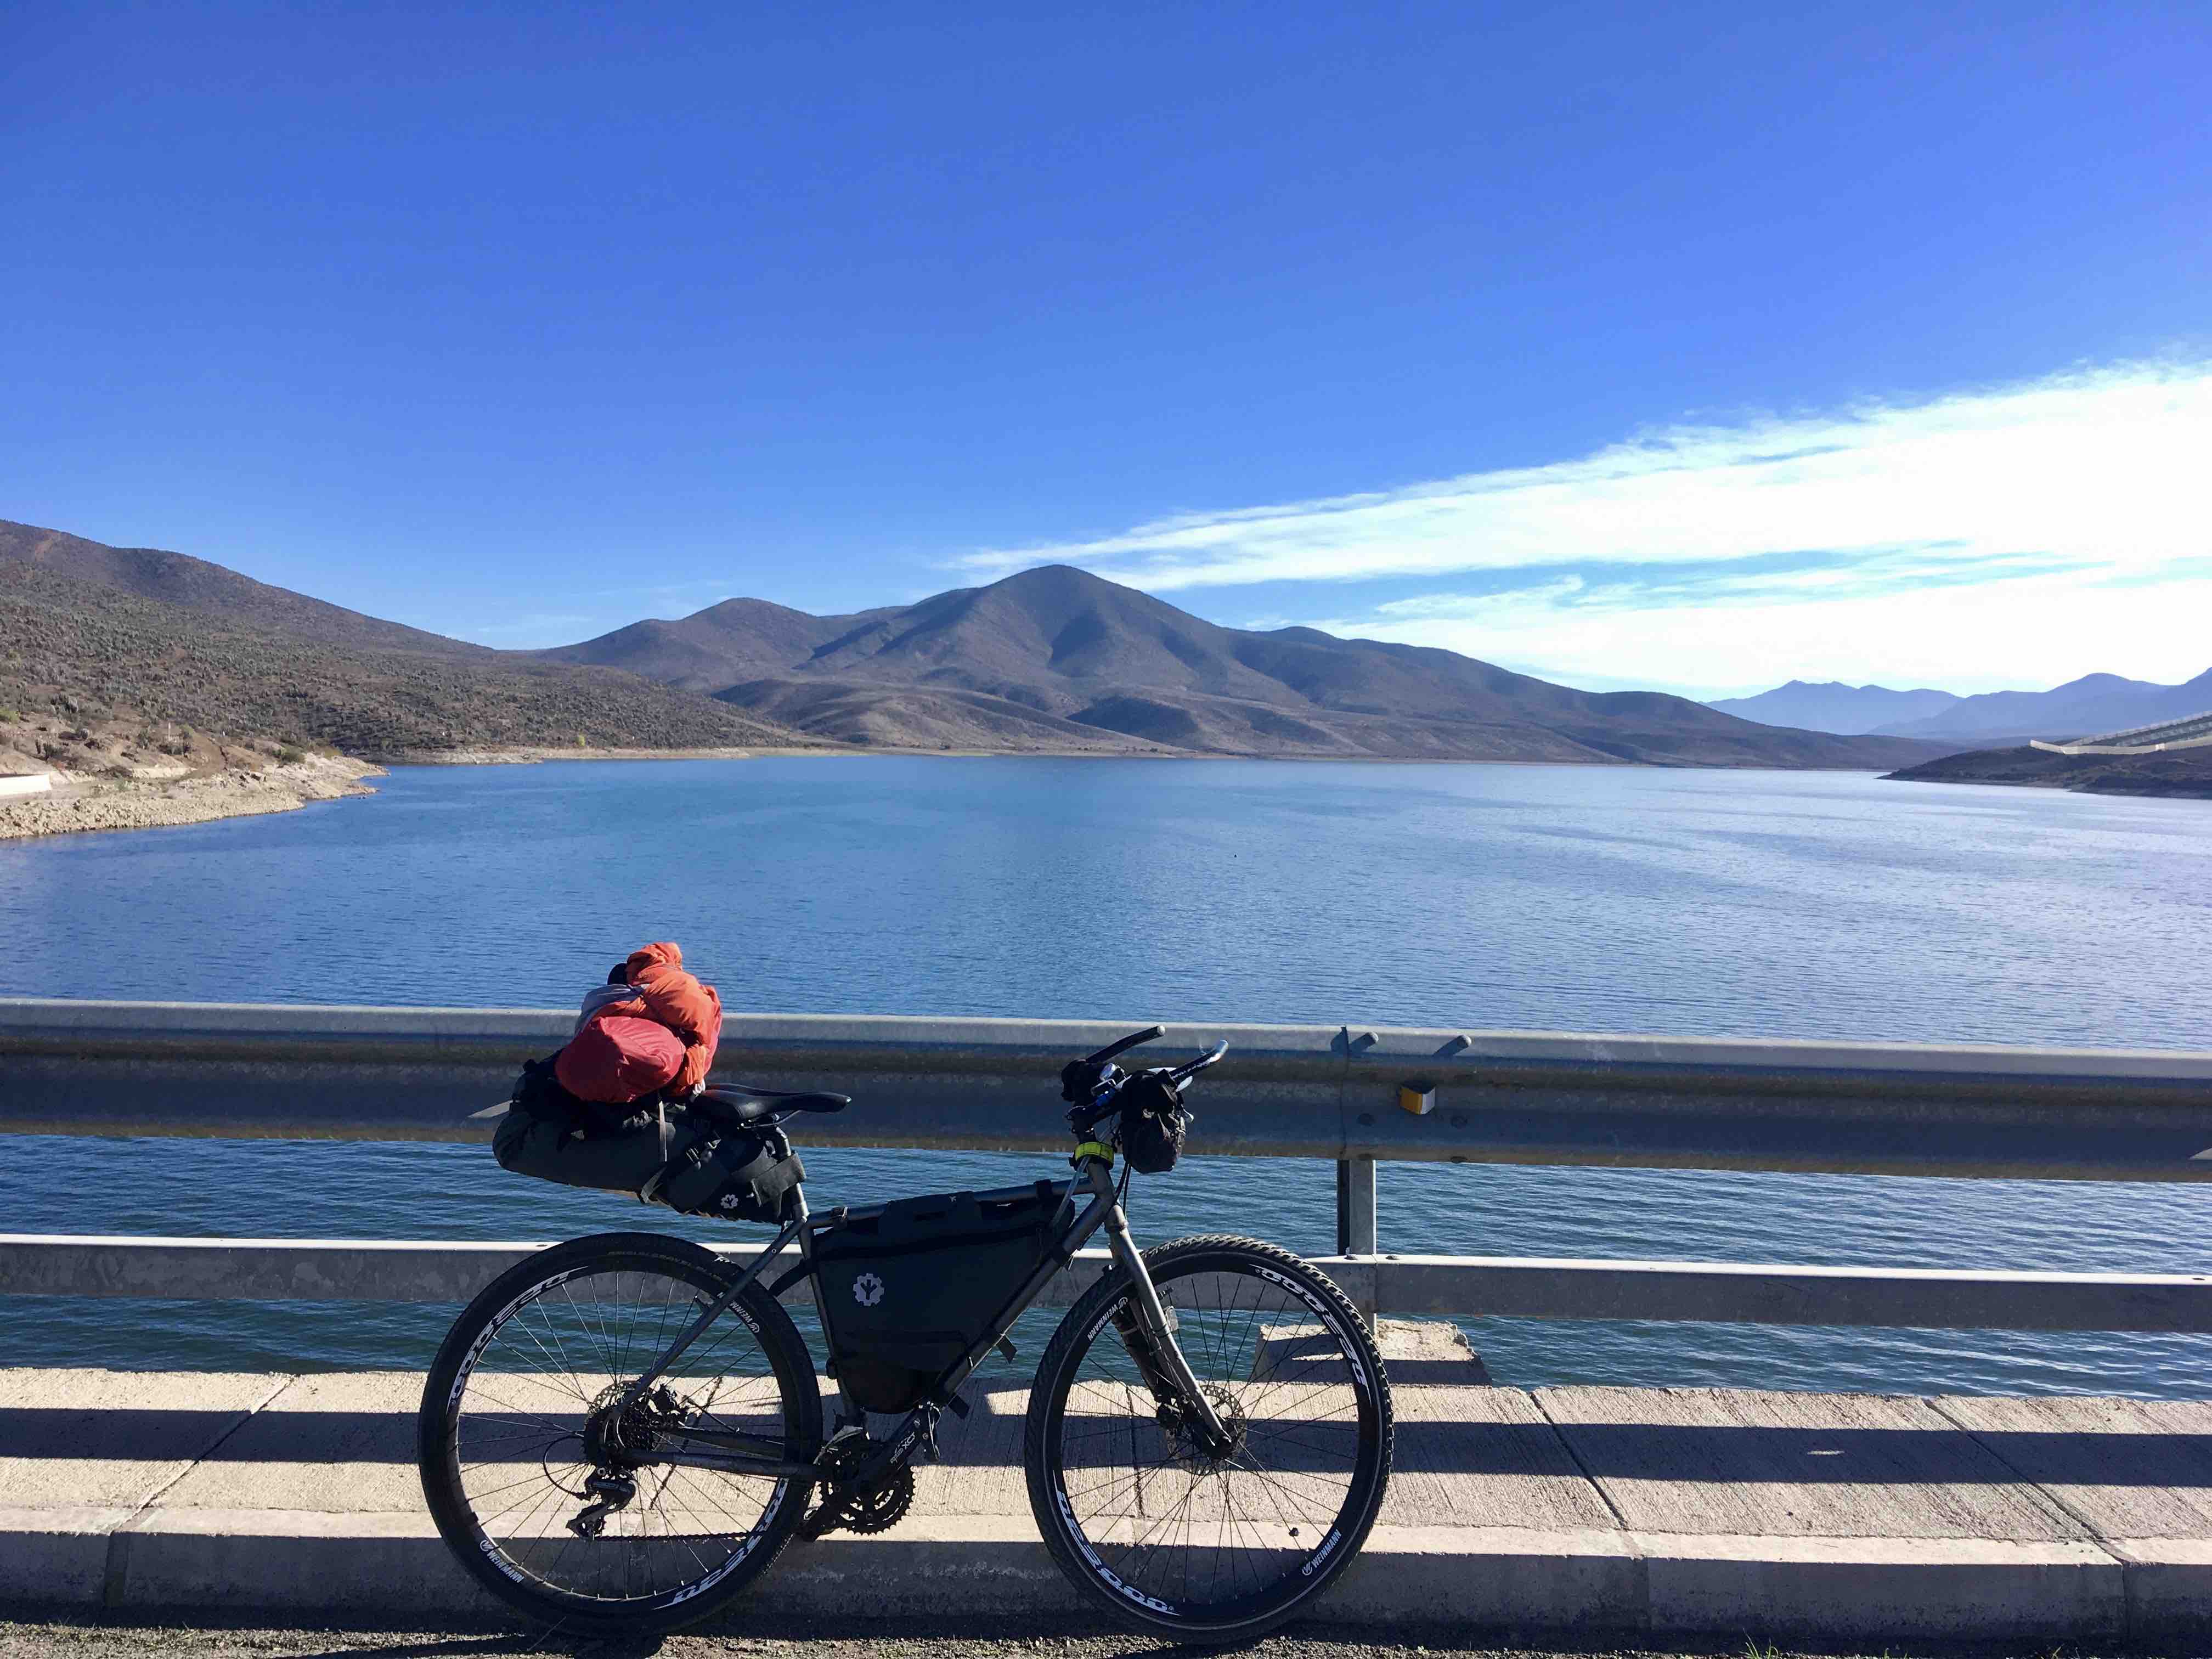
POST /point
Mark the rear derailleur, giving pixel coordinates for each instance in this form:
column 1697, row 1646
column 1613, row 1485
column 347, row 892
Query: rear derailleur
column 612, row 1438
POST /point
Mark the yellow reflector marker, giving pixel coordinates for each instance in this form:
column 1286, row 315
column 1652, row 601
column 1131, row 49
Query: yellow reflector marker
column 1418, row 1098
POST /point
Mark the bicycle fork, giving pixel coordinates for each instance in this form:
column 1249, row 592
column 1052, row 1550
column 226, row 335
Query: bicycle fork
column 1147, row 1329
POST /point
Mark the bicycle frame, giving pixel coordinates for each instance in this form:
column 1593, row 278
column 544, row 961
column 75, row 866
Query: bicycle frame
column 1158, row 1359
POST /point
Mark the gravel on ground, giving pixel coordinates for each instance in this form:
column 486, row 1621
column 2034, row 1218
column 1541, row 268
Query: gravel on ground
column 64, row 1635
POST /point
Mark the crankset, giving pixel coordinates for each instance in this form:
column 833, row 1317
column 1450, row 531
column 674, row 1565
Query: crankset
column 877, row 1509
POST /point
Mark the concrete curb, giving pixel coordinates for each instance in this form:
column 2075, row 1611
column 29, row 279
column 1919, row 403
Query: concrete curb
column 1853, row 1588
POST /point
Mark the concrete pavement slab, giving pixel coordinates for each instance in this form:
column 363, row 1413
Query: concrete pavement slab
column 340, row 1442
column 1741, row 1462
column 1486, row 1457
column 2127, row 1468
column 104, row 1438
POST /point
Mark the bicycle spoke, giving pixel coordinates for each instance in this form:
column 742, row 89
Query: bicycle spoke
column 526, row 1401
column 1202, row 1533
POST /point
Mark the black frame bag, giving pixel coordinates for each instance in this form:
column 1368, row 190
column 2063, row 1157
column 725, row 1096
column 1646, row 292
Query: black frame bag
column 907, row 1289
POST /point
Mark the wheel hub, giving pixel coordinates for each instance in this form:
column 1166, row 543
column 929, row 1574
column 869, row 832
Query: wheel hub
column 1194, row 1449
column 616, row 1439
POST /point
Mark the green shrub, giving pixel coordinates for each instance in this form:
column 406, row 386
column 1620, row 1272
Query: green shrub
column 290, row 756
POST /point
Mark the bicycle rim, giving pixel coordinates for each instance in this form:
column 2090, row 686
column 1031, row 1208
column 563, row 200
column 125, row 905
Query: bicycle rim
column 561, row 1347
column 1186, row 1538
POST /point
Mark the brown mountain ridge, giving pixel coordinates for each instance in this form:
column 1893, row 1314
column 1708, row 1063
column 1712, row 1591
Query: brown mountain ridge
column 113, row 659
column 1050, row 660
column 1055, row 657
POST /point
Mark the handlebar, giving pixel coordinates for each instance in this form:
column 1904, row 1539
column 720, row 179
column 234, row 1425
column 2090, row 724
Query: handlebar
column 1093, row 1084
column 1212, row 1056
column 1126, row 1043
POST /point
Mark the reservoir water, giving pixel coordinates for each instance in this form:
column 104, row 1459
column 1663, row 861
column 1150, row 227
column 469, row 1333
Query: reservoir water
column 1692, row 902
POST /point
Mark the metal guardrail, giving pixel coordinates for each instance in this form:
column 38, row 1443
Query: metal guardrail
column 1285, row 1090
column 1315, row 1091
column 386, row 1270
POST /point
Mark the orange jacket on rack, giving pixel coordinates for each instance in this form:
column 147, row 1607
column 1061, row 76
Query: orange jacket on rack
column 668, row 996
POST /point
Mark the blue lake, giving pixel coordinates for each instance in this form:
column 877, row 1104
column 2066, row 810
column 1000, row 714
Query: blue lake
column 1786, row 904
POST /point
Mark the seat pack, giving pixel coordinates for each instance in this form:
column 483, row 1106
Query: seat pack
column 694, row 1161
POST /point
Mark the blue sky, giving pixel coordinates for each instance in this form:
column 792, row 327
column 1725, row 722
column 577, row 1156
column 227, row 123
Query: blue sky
column 1688, row 346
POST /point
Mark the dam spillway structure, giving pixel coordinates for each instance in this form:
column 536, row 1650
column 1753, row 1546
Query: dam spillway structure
column 2189, row 732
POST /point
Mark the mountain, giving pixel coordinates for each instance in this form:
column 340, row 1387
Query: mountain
column 189, row 584
column 1831, row 705
column 738, row 639
column 98, row 677
column 2092, row 704
column 1055, row 656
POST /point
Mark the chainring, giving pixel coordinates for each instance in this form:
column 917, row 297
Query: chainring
column 878, row 1511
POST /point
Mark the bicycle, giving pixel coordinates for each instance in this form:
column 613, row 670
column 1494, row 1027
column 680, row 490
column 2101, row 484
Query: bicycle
column 624, row 1431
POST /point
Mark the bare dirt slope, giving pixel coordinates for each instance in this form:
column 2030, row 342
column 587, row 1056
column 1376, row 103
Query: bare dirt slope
column 1079, row 651
column 190, row 584
column 88, row 671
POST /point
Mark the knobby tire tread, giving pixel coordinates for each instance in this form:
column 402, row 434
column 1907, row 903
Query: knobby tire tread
column 1048, row 1387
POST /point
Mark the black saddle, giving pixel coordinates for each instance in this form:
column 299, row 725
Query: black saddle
column 741, row 1102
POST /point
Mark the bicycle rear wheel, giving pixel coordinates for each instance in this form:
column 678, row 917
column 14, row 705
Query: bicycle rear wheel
column 1199, row 1543
column 534, row 1365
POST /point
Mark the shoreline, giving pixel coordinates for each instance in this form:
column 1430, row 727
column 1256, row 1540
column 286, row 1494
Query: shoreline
column 93, row 806
column 86, row 806
column 527, row 756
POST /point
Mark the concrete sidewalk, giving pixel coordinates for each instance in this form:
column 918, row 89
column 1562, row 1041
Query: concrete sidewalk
column 1560, row 1510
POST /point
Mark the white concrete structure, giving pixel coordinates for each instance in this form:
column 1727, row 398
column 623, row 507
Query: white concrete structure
column 34, row 783
column 2191, row 731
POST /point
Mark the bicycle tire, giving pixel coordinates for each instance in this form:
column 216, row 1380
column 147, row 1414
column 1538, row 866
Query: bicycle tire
column 540, row 1409
column 1319, row 1360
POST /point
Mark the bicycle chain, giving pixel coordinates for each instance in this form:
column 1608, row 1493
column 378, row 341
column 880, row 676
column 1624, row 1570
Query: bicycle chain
column 859, row 1512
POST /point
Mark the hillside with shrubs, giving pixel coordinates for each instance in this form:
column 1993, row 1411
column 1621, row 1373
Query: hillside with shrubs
column 99, row 681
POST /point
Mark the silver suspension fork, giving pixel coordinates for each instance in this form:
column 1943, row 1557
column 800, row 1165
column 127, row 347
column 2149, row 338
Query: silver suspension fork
column 1151, row 1314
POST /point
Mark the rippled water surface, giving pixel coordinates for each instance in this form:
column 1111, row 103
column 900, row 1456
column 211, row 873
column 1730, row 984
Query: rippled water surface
column 1579, row 898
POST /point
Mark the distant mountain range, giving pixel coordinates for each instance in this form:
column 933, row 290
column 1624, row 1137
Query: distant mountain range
column 1051, row 660
column 1055, row 656
column 1831, row 705
column 2094, row 703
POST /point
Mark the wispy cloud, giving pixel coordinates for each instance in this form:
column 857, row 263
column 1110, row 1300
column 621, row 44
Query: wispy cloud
column 2109, row 465
column 2008, row 503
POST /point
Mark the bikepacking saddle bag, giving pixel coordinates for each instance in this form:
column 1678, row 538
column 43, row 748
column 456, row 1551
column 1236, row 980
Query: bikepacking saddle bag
column 907, row 1288
column 656, row 1153
column 1153, row 1123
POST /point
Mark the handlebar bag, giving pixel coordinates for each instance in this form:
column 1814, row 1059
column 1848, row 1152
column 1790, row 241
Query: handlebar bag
column 683, row 1161
column 1153, row 1123
column 909, row 1288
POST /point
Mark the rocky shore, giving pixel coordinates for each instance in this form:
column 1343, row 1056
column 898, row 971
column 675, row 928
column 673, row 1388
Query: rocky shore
column 2174, row 773
column 77, row 804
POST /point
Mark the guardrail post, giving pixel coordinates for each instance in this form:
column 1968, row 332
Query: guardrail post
column 1355, row 1218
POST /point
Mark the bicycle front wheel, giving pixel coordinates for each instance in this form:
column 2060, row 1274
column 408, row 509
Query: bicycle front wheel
column 1212, row 1542
column 550, row 1500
